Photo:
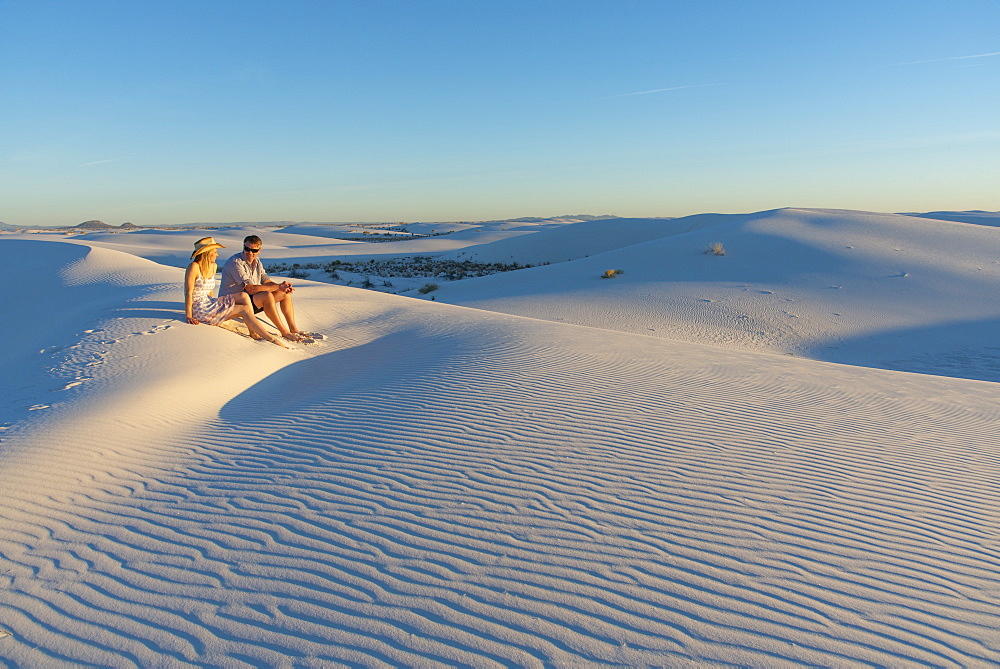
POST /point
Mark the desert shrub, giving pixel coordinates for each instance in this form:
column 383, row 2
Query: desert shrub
column 367, row 283
column 427, row 288
column 716, row 248
column 277, row 268
column 612, row 273
column 298, row 274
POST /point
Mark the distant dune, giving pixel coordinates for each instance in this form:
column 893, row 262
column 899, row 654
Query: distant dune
column 976, row 217
column 877, row 289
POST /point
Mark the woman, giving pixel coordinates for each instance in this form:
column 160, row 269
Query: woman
column 199, row 284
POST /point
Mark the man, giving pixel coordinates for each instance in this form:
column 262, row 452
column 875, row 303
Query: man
column 244, row 272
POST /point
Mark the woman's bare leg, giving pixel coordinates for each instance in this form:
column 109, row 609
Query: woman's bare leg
column 244, row 311
column 242, row 299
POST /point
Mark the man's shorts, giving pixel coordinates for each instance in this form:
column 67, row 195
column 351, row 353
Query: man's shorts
column 256, row 309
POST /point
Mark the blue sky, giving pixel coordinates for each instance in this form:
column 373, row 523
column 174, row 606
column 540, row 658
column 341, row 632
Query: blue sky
column 392, row 110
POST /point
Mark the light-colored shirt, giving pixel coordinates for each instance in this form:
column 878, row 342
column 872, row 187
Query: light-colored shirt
column 237, row 274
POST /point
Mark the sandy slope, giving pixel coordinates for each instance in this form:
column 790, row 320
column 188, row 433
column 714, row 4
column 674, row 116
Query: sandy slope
column 976, row 217
column 562, row 243
column 439, row 485
column 885, row 290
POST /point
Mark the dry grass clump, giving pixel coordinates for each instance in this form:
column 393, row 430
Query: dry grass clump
column 716, row 248
column 612, row 273
column 427, row 288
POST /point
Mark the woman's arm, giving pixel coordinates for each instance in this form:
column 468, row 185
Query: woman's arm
column 190, row 276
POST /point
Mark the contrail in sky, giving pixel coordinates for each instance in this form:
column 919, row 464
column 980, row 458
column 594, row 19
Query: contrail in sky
column 941, row 60
column 660, row 90
column 100, row 162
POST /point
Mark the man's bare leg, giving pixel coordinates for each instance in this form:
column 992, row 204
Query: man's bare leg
column 288, row 310
column 265, row 300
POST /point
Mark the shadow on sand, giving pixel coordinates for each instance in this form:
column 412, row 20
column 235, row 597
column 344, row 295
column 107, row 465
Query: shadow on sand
column 965, row 350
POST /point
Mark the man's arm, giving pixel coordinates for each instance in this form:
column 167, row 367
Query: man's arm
column 268, row 286
column 255, row 280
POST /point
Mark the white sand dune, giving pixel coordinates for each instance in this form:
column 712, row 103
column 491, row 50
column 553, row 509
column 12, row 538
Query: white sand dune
column 884, row 290
column 304, row 243
column 562, row 243
column 439, row 485
column 977, row 217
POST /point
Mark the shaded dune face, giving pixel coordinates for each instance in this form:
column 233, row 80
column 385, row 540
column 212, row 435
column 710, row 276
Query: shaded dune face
column 433, row 484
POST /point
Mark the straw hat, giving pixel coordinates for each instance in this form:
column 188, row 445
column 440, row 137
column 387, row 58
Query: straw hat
column 206, row 244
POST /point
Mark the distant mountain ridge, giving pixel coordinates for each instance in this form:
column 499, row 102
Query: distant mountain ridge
column 101, row 225
column 86, row 225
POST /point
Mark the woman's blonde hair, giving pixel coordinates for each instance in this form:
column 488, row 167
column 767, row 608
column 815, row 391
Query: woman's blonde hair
column 206, row 266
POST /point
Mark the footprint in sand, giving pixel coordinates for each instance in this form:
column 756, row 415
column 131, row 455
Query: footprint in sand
column 38, row 407
column 73, row 384
column 154, row 329
column 51, row 349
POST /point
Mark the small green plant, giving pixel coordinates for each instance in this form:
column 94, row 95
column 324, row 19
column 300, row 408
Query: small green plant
column 612, row 273
column 716, row 248
column 427, row 288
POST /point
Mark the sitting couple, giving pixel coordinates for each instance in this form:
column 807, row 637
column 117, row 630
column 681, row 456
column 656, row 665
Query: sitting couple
column 246, row 291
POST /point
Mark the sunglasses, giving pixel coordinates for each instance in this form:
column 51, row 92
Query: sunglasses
column 250, row 250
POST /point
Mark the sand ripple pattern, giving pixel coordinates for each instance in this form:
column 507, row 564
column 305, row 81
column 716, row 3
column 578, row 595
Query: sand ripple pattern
column 471, row 496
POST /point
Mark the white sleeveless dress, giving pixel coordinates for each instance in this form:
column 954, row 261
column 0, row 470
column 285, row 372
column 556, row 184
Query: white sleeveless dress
column 208, row 309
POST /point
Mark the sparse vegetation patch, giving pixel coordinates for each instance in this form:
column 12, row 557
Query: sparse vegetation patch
column 397, row 233
column 423, row 266
column 393, row 274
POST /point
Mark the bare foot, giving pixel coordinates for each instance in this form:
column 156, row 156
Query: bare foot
column 292, row 336
column 277, row 342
